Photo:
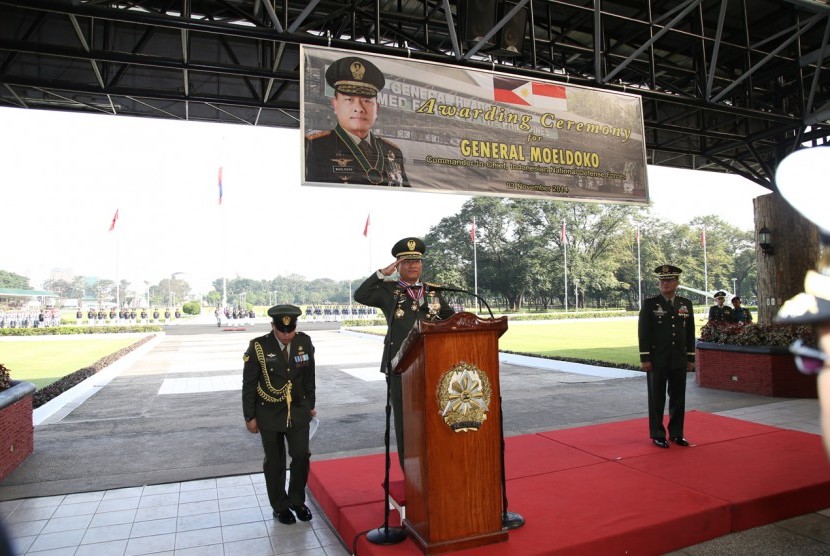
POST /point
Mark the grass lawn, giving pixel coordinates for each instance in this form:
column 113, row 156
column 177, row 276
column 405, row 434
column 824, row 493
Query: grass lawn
column 43, row 361
column 613, row 340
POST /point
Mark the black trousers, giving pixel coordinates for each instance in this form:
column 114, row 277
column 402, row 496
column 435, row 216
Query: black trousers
column 274, row 444
column 660, row 382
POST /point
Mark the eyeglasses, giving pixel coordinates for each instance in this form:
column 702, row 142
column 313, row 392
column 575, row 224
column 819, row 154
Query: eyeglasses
column 808, row 360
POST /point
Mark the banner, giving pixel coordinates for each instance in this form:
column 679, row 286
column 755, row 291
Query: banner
column 438, row 128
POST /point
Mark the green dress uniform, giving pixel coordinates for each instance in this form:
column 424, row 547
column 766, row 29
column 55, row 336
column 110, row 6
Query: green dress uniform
column 402, row 307
column 332, row 157
column 280, row 395
column 720, row 313
column 741, row 314
column 667, row 339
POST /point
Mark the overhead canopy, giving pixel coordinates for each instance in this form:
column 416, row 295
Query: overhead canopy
column 729, row 86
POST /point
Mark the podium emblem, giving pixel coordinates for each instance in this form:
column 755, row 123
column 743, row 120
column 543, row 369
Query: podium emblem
column 464, row 397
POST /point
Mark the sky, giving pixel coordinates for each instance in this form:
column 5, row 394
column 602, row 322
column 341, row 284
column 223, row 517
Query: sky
column 64, row 175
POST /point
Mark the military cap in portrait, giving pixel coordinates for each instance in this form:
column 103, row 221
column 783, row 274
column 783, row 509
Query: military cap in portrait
column 409, row 248
column 285, row 317
column 719, row 295
column 667, row 272
column 355, row 76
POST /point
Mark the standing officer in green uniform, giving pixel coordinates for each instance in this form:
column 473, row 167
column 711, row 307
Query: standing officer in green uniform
column 351, row 153
column 666, row 330
column 404, row 302
column 719, row 312
column 278, row 402
column 740, row 314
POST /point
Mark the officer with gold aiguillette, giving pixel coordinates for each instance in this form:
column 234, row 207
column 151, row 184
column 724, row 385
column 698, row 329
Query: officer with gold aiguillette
column 278, row 400
column 351, row 153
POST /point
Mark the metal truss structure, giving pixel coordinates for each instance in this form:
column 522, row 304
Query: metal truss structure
column 727, row 85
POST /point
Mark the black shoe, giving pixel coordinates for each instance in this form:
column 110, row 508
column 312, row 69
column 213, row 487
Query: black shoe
column 303, row 513
column 680, row 441
column 660, row 442
column 285, row 517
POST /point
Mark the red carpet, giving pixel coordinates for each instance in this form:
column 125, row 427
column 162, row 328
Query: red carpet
column 604, row 489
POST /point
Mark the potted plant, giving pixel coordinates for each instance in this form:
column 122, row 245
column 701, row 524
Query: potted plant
column 16, row 426
column 753, row 358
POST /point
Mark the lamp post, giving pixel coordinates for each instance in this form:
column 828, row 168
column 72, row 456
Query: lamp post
column 734, row 286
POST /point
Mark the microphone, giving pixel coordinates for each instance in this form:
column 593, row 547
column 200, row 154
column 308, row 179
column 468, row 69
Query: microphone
column 456, row 289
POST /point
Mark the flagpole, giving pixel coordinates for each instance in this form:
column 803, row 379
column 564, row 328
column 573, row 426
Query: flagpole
column 475, row 265
column 222, row 232
column 117, row 280
column 565, row 247
column 705, row 271
column 369, row 237
column 639, row 272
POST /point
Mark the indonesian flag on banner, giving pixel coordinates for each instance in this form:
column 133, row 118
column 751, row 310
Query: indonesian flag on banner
column 703, row 237
column 562, row 236
column 473, row 231
column 220, row 185
column 366, row 227
column 114, row 220
column 550, row 97
column 512, row 91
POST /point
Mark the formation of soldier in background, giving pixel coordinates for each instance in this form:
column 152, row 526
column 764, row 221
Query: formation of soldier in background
column 339, row 313
column 92, row 316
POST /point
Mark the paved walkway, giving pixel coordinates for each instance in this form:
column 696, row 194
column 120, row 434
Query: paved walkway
column 150, row 456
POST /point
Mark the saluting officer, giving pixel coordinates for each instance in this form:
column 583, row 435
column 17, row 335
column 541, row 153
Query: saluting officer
column 720, row 312
column 404, row 302
column 351, row 152
column 667, row 352
column 278, row 402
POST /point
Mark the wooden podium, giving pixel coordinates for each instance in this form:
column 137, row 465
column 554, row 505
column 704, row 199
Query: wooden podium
column 452, row 436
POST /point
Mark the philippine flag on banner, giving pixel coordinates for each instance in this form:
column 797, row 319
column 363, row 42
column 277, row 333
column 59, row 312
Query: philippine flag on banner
column 546, row 96
column 512, row 91
column 550, row 97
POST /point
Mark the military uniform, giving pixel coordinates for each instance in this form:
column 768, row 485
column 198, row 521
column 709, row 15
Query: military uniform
column 279, row 391
column 666, row 334
column 402, row 305
column 740, row 314
column 333, row 157
column 718, row 312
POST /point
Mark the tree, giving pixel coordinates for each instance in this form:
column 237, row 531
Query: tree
column 60, row 287
column 14, row 281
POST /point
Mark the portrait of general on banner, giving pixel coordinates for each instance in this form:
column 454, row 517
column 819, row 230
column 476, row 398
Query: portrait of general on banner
column 370, row 120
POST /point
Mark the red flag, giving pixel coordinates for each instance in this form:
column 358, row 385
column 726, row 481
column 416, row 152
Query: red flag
column 220, row 185
column 366, row 227
column 703, row 237
column 114, row 220
column 473, row 231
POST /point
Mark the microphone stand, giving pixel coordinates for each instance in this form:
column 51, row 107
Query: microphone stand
column 509, row 520
column 386, row 534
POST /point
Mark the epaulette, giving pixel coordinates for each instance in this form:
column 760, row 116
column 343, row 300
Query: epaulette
column 318, row 134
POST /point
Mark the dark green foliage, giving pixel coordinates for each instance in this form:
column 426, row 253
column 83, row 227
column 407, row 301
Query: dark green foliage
column 192, row 308
column 773, row 335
